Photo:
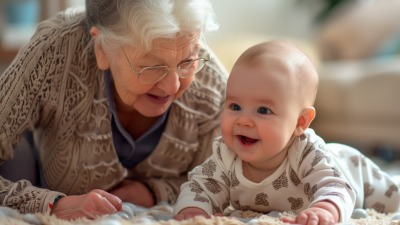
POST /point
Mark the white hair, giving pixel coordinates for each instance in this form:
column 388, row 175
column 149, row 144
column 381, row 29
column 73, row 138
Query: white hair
column 139, row 22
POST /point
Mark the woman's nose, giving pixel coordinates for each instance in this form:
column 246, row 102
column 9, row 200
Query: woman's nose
column 170, row 83
column 245, row 121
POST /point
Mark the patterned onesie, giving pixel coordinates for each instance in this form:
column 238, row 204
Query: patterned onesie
column 313, row 171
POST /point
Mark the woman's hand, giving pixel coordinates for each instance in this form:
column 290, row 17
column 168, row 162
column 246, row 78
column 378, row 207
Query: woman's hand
column 91, row 205
column 190, row 212
column 135, row 192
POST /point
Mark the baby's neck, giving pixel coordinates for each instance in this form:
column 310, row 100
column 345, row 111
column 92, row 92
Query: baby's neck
column 255, row 174
column 258, row 172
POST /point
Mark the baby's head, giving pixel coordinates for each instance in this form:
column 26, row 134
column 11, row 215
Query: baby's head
column 269, row 98
column 284, row 63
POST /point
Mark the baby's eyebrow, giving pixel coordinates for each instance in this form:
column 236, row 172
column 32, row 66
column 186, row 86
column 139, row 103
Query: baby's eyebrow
column 230, row 97
column 266, row 102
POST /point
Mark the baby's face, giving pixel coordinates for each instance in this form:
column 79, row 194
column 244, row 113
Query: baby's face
column 260, row 113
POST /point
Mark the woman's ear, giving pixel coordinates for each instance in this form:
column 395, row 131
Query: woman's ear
column 304, row 120
column 101, row 57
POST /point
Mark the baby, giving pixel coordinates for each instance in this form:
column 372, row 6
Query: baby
column 268, row 159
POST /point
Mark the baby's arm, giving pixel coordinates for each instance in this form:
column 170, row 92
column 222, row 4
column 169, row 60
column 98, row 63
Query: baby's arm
column 190, row 212
column 324, row 212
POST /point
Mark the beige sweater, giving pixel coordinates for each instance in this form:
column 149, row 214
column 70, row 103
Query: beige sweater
column 54, row 88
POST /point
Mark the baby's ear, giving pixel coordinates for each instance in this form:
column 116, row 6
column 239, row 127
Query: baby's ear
column 303, row 122
column 101, row 57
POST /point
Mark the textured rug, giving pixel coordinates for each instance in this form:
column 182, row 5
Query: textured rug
column 161, row 215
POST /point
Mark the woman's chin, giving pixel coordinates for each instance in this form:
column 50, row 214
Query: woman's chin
column 154, row 112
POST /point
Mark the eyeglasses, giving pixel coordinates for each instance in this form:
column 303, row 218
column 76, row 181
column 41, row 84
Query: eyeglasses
column 153, row 74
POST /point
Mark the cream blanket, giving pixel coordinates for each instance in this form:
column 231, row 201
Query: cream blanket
column 161, row 215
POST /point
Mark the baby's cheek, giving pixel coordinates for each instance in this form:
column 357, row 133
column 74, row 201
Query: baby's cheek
column 226, row 129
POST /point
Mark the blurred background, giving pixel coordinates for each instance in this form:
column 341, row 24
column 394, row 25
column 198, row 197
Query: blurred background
column 355, row 44
column 18, row 20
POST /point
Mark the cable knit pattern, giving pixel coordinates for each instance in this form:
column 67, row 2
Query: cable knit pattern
column 54, row 88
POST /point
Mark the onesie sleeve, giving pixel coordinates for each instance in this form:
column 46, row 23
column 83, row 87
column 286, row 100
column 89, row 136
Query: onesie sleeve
column 321, row 177
column 208, row 185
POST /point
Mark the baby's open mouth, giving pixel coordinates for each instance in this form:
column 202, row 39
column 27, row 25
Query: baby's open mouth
column 246, row 140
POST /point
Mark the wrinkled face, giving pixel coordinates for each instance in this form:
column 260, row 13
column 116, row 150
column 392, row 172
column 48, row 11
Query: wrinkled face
column 152, row 99
column 260, row 114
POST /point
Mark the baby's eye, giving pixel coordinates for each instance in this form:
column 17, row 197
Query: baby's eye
column 234, row 107
column 264, row 110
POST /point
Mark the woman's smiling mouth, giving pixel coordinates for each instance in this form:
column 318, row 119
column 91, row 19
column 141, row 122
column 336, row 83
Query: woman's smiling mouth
column 160, row 100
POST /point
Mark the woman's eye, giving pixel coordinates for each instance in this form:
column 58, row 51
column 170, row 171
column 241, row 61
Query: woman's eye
column 187, row 64
column 234, row 107
column 264, row 110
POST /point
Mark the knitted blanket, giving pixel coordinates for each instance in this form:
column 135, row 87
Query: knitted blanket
column 162, row 215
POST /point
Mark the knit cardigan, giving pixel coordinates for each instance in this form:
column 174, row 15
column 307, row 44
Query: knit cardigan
column 55, row 89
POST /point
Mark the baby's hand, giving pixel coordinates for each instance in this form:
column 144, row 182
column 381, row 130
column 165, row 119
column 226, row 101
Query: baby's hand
column 190, row 212
column 312, row 216
column 322, row 213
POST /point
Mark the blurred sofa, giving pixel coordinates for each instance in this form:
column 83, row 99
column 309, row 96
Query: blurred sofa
column 358, row 103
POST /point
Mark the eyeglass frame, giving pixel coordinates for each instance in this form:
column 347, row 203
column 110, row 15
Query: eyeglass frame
column 166, row 68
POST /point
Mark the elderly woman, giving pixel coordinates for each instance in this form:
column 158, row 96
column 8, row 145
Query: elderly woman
column 122, row 100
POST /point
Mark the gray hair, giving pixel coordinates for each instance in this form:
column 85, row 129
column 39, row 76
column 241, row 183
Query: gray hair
column 139, row 22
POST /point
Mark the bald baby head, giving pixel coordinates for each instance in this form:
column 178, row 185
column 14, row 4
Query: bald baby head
column 297, row 69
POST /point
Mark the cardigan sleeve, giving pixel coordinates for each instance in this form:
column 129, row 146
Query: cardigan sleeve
column 209, row 183
column 25, row 87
